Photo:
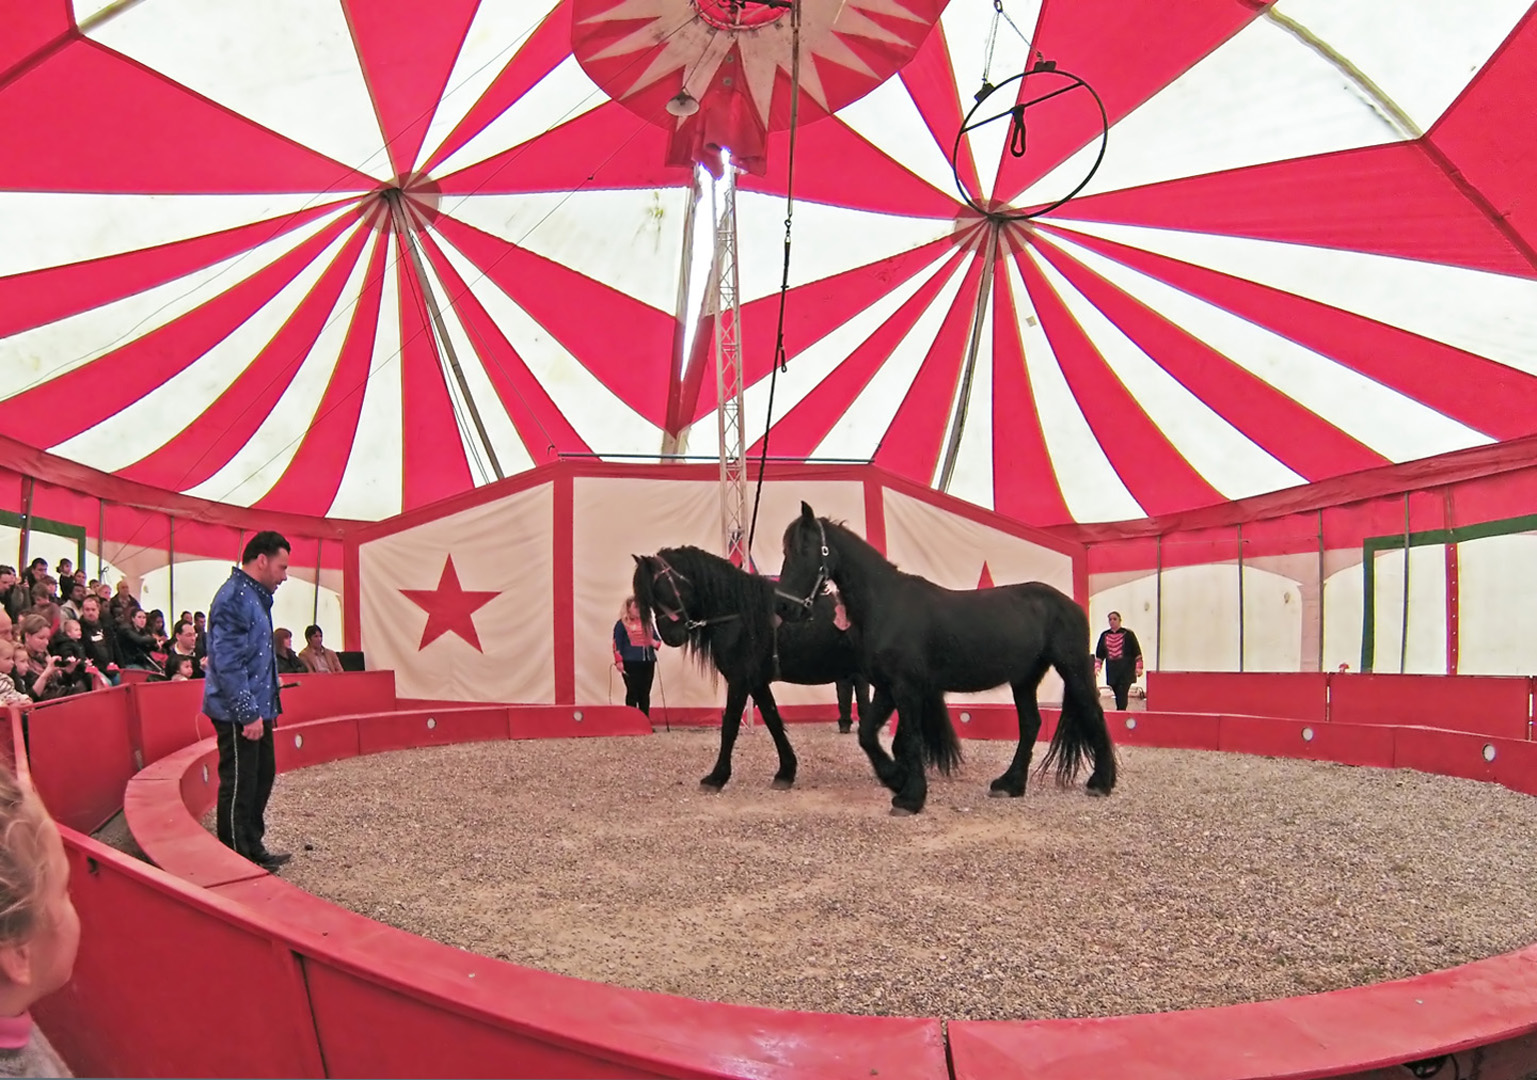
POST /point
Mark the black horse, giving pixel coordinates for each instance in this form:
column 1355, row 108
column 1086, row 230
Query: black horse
column 725, row 616
column 920, row 640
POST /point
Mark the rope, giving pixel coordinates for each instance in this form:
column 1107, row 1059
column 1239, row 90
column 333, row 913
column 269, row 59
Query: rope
column 780, row 361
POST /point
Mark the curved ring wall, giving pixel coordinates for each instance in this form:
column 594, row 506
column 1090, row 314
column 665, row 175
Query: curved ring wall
column 308, row 989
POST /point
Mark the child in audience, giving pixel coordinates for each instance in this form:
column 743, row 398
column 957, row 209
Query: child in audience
column 9, row 695
column 39, row 930
column 181, row 668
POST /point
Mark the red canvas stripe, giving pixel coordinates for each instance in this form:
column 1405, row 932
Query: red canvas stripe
column 1484, row 139
column 78, row 400
column 1392, row 199
column 146, row 134
column 38, row 297
column 812, row 311
column 806, row 425
column 608, row 147
column 1486, row 396
column 564, row 303
column 1155, row 473
column 834, row 164
column 540, row 423
column 930, row 80
column 406, row 62
column 1127, row 52
column 1024, row 481
column 31, row 26
column 434, row 465
column 314, row 476
column 1303, row 441
column 218, row 433
column 915, row 439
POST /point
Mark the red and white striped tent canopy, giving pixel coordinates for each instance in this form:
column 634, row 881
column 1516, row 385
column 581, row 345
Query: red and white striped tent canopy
column 1311, row 247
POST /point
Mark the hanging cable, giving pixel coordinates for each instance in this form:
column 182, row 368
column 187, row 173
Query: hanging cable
column 780, row 362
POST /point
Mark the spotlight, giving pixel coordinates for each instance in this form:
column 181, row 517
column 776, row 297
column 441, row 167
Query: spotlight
column 683, row 104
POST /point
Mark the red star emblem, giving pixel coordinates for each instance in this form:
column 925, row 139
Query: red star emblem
column 986, row 580
column 449, row 608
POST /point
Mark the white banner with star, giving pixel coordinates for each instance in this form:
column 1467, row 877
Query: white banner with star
column 460, row 607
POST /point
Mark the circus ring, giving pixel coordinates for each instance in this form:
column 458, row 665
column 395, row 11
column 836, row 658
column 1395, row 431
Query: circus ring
column 165, row 950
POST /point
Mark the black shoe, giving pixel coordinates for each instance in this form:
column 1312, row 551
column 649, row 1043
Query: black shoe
column 271, row 860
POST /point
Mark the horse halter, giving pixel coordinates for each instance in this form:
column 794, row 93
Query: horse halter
column 823, row 577
column 680, row 614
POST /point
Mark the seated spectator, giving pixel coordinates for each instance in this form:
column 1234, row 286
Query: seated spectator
column 283, row 648
column 40, row 931
column 123, row 602
column 46, row 677
column 79, row 672
column 200, row 622
column 315, row 655
column 9, row 695
column 180, row 668
column 71, row 605
column 135, row 646
column 99, row 642
column 14, row 596
column 42, row 604
column 184, row 647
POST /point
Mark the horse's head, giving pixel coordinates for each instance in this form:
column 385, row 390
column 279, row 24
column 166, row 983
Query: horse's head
column 808, row 566
column 662, row 595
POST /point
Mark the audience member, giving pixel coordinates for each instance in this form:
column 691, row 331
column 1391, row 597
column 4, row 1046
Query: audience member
column 283, row 648
column 316, row 656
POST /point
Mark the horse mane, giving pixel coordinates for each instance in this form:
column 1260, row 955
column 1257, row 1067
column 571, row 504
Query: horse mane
column 854, row 546
column 717, row 587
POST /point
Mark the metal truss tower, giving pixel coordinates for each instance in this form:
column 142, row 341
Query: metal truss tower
column 724, row 291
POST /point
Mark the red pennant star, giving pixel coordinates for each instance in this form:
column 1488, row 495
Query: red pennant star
column 449, row 608
column 986, row 580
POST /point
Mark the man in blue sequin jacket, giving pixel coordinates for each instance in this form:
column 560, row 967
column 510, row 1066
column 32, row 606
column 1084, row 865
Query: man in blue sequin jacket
column 240, row 694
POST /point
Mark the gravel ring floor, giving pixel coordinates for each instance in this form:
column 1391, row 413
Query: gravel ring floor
column 1206, row 880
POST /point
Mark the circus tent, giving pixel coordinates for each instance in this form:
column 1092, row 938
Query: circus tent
column 1308, row 250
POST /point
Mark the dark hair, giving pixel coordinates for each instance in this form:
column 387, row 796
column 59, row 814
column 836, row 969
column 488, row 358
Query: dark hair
column 35, row 563
column 267, row 543
column 179, row 661
column 179, row 624
column 311, row 630
column 1113, row 615
column 199, row 615
column 7, row 569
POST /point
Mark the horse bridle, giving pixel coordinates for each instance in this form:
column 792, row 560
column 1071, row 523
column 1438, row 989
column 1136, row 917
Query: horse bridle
column 681, row 613
column 823, row 578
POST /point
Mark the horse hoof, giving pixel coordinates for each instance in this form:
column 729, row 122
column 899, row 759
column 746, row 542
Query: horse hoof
column 898, row 811
column 844, row 729
column 711, row 785
column 782, row 785
column 1097, row 793
column 1004, row 793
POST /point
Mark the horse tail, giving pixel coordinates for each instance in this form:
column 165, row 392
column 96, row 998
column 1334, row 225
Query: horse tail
column 941, row 747
column 1082, row 734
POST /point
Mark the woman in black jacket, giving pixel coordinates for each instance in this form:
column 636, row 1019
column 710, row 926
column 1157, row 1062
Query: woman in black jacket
column 134, row 643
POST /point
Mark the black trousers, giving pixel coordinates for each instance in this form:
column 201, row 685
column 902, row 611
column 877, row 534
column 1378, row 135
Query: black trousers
column 247, row 768
column 1120, row 674
column 845, row 702
column 637, row 684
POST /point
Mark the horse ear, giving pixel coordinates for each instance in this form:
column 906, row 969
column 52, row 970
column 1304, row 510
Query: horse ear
column 638, row 560
column 807, row 512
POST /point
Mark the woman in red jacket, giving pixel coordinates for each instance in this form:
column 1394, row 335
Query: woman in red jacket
column 635, row 655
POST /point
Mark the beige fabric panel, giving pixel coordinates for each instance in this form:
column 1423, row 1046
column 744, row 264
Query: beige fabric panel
column 950, row 550
column 612, row 519
column 503, row 546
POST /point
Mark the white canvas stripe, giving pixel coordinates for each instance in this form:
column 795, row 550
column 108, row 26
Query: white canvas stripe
column 628, row 239
column 50, row 228
column 808, row 368
column 54, row 349
column 372, row 484
column 828, row 240
column 968, row 28
column 496, row 34
column 1490, row 315
column 290, row 65
column 1224, row 456
column 141, row 427
column 1429, row 56
column 864, row 423
column 604, row 422
column 261, row 462
column 972, row 479
column 511, row 454
column 889, row 120
column 1090, row 486
column 1394, row 425
column 1262, row 96
column 561, row 96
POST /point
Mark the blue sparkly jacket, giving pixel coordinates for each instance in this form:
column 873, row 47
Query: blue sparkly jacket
column 241, row 684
